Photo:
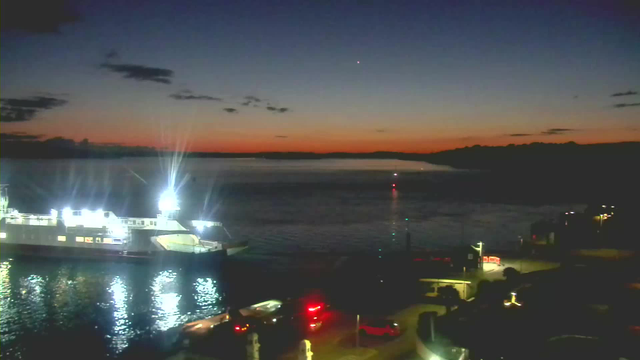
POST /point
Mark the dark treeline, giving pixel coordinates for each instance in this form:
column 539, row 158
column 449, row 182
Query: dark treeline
column 61, row 148
column 537, row 172
column 534, row 157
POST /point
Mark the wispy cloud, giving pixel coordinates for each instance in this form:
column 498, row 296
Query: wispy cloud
column 112, row 55
column 624, row 105
column 381, row 130
column 556, row 131
column 231, row 110
column 252, row 98
column 518, row 135
column 52, row 94
column 626, row 93
column 19, row 136
column 140, row 72
column 189, row 95
column 25, row 109
column 281, row 136
column 246, row 103
column 36, row 16
column 277, row 109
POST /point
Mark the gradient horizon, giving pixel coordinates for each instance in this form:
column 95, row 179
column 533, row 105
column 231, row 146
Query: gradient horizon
column 432, row 76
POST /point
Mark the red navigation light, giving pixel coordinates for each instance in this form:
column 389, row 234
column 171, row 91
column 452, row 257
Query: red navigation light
column 394, row 185
column 312, row 325
column 315, row 308
column 237, row 328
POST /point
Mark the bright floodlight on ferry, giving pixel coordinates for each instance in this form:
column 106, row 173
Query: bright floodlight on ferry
column 168, row 201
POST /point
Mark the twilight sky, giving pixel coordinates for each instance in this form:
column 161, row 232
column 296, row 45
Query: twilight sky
column 245, row 76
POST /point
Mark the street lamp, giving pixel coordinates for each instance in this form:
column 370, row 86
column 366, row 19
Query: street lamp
column 479, row 249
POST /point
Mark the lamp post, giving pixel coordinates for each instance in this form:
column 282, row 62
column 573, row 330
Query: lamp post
column 358, row 331
column 479, row 250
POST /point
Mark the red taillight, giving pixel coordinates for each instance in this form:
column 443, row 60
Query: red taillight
column 313, row 325
column 315, row 308
column 238, row 328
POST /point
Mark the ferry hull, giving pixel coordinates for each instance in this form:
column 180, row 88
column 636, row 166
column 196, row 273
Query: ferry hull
column 161, row 257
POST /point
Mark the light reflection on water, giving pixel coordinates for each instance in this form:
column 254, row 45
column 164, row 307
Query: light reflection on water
column 165, row 300
column 206, row 294
column 121, row 328
column 124, row 303
column 31, row 293
column 6, row 311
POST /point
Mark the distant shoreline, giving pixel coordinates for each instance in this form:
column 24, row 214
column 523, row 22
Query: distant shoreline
column 528, row 156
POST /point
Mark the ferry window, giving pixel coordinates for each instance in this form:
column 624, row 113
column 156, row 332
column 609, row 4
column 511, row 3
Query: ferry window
column 88, row 239
column 106, row 214
column 98, row 240
column 107, row 241
column 79, row 239
column 76, row 213
column 141, row 222
column 62, row 238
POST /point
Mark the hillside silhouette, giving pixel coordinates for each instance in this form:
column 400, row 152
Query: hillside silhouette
column 532, row 173
column 592, row 157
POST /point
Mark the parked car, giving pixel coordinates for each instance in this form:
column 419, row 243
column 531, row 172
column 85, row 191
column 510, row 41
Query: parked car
column 382, row 327
column 305, row 315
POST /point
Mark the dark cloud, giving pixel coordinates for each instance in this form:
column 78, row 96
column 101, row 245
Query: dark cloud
column 231, row 110
column 381, row 130
column 25, row 109
column 519, row 135
column 140, row 72
column 623, row 105
column 252, row 98
column 556, row 131
column 246, row 103
column 19, row 136
column 281, row 136
column 51, row 94
column 189, row 95
column 112, row 55
column 36, row 16
column 276, row 109
column 627, row 93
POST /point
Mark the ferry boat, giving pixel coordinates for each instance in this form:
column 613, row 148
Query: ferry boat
column 103, row 235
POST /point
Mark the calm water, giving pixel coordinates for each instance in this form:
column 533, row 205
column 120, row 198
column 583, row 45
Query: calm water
column 279, row 206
